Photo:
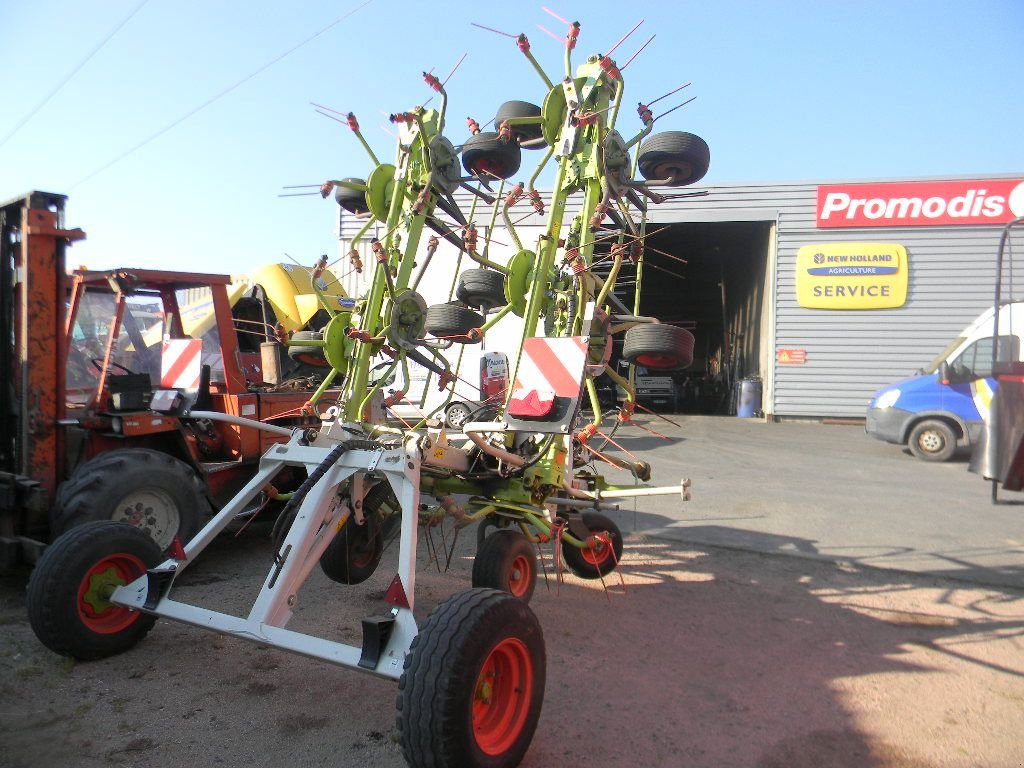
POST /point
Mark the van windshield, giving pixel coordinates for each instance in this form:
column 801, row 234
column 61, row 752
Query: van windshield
column 933, row 366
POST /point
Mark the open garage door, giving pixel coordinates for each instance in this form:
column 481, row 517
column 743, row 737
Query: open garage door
column 713, row 279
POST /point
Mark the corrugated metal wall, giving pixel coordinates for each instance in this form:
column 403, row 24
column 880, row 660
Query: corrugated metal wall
column 850, row 354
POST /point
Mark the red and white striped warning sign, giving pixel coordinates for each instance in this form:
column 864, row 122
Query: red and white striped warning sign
column 181, row 363
column 548, row 368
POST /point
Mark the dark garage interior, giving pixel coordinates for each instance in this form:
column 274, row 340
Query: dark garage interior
column 708, row 277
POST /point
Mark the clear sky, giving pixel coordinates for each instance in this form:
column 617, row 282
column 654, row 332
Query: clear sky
column 786, row 90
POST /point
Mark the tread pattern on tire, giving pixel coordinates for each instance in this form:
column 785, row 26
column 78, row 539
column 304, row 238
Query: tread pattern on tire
column 52, row 594
column 427, row 720
column 492, row 556
column 73, row 506
column 658, row 339
column 674, row 146
column 447, row 320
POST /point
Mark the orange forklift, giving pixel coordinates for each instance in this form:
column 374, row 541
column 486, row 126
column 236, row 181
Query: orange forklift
column 122, row 392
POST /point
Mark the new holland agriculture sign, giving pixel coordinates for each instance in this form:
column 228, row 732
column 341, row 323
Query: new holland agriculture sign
column 851, row 276
column 920, row 203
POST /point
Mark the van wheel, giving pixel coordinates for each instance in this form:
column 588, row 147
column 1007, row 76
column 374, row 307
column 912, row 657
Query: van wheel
column 932, row 440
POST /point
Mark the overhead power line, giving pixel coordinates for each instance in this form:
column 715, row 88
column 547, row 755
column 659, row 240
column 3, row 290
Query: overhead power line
column 70, row 75
column 214, row 98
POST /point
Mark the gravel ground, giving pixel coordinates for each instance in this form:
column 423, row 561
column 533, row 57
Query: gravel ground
column 698, row 657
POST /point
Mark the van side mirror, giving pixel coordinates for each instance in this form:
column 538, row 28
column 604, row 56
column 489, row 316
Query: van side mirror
column 944, row 372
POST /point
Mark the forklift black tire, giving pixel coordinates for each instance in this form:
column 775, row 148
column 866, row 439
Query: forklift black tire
column 354, row 554
column 69, row 590
column 484, row 155
column 600, row 559
column 507, row 561
column 483, row 289
column 471, row 692
column 932, row 440
column 677, row 155
column 153, row 491
column 663, row 347
column 311, row 355
column 521, row 133
column 352, row 200
column 450, row 321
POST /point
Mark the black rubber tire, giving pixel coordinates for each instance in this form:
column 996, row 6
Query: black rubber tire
column 127, row 485
column 444, row 719
column 932, row 440
column 352, row 200
column 484, row 155
column 482, row 289
column 598, row 562
column 456, row 415
column 507, row 561
column 354, row 554
column 313, row 356
column 684, row 156
column 521, row 133
column 448, row 320
column 102, row 554
column 662, row 347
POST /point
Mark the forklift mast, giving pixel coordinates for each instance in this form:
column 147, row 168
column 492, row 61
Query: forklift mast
column 33, row 288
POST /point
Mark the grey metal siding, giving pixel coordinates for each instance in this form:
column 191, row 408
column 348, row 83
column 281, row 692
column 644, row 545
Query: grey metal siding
column 851, row 354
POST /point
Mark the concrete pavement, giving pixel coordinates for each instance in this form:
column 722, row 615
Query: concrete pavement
column 825, row 491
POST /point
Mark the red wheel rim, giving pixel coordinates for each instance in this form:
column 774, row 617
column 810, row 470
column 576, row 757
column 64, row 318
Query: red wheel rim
column 657, row 361
column 94, row 607
column 501, row 703
column 488, row 165
column 363, row 548
column 600, row 551
column 519, row 576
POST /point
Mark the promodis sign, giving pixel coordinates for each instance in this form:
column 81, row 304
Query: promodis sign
column 920, row 204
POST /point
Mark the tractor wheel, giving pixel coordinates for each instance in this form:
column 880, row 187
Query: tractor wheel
column 483, row 289
column 484, row 155
column 308, row 355
column 153, row 491
column 506, row 561
column 354, row 554
column 69, row 591
column 473, row 685
column 932, row 440
column 448, row 320
column 598, row 560
column 352, row 200
column 664, row 347
column 682, row 157
column 521, row 133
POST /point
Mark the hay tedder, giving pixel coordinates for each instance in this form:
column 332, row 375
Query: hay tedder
column 472, row 677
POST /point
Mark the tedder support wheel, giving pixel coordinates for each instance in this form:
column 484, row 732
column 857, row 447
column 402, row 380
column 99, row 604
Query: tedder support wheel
column 932, row 440
column 484, row 155
column 69, row 591
column 682, row 157
column 528, row 132
column 506, row 561
column 658, row 346
column 308, row 355
column 354, row 554
column 473, row 685
column 352, row 200
column 481, row 288
column 450, row 321
column 599, row 559
column 153, row 491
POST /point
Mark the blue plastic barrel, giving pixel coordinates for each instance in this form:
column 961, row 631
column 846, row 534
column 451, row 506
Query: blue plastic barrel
column 748, row 404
